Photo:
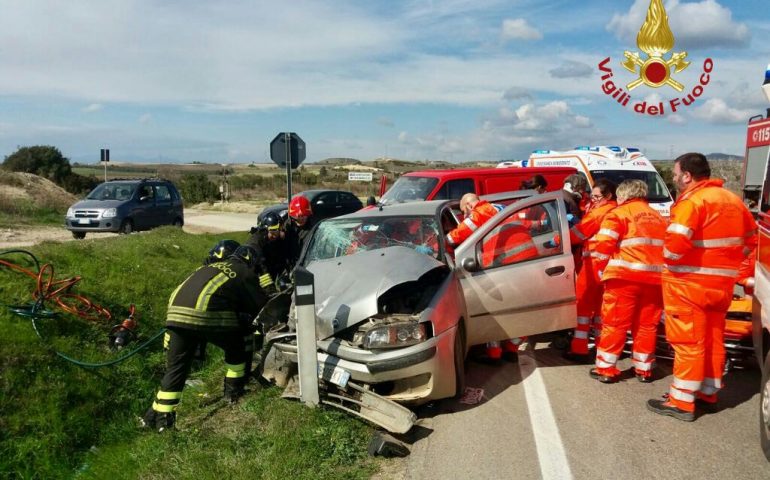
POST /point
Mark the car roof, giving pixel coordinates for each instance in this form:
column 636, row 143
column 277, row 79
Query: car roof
column 315, row 193
column 430, row 207
column 487, row 172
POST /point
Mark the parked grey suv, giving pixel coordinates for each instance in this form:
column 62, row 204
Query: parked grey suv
column 125, row 206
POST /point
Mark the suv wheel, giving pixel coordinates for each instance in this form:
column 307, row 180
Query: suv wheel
column 79, row 235
column 764, row 408
column 126, row 227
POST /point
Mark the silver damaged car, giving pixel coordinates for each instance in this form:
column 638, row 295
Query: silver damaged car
column 396, row 311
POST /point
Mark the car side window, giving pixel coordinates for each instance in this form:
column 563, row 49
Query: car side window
column 524, row 235
column 163, row 193
column 146, row 192
column 455, row 189
column 329, row 198
column 348, row 199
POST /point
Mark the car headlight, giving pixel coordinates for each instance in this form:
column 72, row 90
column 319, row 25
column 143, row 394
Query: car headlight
column 70, row 213
column 395, row 335
column 110, row 213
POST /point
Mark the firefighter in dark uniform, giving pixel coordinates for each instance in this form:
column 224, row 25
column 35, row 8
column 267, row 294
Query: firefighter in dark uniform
column 215, row 304
column 269, row 238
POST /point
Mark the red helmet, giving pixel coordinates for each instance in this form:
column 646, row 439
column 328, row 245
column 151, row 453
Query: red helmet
column 300, row 207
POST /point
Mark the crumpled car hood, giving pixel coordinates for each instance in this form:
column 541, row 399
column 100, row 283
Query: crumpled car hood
column 347, row 288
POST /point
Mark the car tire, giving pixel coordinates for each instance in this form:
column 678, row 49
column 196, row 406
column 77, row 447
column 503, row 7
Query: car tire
column 78, row 235
column 178, row 223
column 126, row 227
column 764, row 408
column 459, row 360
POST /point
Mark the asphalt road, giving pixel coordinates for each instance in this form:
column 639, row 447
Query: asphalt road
column 546, row 418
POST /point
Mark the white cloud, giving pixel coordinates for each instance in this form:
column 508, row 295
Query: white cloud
column 715, row 110
column 696, row 25
column 517, row 93
column 94, row 107
column 572, row 69
column 519, row 29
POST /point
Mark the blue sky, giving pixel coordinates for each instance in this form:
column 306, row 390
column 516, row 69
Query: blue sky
column 458, row 80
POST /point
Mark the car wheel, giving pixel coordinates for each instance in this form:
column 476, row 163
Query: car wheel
column 764, row 408
column 178, row 223
column 79, row 235
column 126, row 227
column 459, row 356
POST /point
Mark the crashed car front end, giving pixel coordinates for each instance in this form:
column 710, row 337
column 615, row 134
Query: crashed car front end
column 387, row 317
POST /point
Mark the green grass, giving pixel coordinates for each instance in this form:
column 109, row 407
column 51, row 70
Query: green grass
column 58, row 420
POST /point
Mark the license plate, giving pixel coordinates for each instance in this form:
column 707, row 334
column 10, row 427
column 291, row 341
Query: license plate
column 84, row 221
column 335, row 375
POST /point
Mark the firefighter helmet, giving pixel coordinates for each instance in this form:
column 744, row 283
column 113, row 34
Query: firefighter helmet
column 220, row 251
column 300, row 207
column 272, row 221
column 248, row 255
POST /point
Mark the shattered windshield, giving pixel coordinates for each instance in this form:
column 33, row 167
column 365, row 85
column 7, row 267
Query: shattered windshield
column 112, row 191
column 341, row 237
column 409, row 189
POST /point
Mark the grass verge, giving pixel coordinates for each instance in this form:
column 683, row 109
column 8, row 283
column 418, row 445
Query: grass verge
column 58, row 420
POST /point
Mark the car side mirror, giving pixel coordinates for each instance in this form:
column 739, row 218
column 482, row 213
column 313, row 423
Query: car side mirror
column 469, row 264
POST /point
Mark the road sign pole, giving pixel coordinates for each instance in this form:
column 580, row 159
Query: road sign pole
column 287, row 137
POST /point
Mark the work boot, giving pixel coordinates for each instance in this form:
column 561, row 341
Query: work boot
column 662, row 407
column 491, row 356
column 158, row 421
column 594, row 373
column 234, row 389
column 706, row 405
column 644, row 377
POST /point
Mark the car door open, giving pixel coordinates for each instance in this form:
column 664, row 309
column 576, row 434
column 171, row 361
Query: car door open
column 517, row 272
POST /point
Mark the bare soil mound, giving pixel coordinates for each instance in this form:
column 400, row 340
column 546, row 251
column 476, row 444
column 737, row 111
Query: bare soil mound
column 31, row 189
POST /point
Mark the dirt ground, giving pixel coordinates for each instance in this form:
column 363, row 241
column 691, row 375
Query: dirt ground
column 202, row 219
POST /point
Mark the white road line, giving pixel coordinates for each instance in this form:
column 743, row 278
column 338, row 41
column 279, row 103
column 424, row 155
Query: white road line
column 550, row 449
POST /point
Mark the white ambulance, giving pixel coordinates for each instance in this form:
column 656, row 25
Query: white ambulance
column 613, row 163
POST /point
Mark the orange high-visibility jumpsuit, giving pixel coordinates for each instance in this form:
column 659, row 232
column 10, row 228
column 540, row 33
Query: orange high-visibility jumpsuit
column 629, row 253
column 482, row 212
column 587, row 288
column 710, row 234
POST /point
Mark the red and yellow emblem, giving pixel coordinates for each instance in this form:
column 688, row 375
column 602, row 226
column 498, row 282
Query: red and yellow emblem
column 655, row 39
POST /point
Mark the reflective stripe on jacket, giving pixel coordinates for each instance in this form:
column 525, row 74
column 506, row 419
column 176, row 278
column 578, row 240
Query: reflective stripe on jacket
column 482, row 212
column 509, row 243
column 219, row 296
column 629, row 244
column 710, row 234
column 584, row 232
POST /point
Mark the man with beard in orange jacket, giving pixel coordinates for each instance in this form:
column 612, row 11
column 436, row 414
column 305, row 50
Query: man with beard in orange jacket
column 710, row 234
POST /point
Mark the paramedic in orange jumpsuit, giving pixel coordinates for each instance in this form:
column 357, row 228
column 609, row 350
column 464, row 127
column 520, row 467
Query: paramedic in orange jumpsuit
column 588, row 289
column 710, row 234
column 629, row 256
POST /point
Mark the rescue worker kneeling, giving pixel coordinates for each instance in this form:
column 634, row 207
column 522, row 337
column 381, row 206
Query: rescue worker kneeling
column 215, row 304
column 628, row 253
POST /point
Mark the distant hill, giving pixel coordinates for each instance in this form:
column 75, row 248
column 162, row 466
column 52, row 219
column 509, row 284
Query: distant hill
column 724, row 156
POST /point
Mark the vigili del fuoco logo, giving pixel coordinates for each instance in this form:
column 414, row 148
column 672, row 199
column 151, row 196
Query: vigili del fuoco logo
column 653, row 69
